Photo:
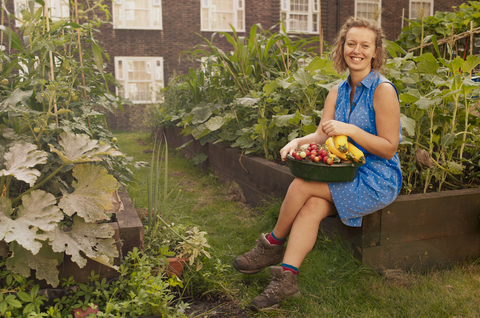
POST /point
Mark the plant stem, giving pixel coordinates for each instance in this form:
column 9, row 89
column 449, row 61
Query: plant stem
column 466, row 123
column 38, row 185
column 283, row 58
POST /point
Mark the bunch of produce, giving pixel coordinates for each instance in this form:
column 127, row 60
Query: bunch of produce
column 336, row 149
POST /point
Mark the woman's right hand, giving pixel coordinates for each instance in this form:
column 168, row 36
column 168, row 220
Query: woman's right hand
column 288, row 149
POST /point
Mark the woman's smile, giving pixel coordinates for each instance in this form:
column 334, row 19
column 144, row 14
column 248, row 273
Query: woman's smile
column 359, row 49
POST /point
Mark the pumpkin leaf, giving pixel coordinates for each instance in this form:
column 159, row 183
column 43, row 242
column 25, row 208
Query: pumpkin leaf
column 44, row 263
column 19, row 161
column 93, row 194
column 80, row 148
column 38, row 211
column 93, row 240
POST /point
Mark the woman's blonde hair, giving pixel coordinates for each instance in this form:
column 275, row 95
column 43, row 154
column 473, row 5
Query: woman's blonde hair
column 377, row 63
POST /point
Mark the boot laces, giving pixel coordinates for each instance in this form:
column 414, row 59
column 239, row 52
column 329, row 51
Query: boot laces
column 272, row 288
column 255, row 252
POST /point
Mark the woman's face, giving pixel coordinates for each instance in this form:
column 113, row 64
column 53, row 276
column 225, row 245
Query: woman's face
column 359, row 49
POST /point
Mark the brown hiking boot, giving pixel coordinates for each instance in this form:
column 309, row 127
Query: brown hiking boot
column 283, row 284
column 261, row 256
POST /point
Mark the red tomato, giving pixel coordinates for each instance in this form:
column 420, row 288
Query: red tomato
column 319, row 157
column 298, row 157
column 312, row 157
column 325, row 159
column 313, row 152
column 323, row 152
column 314, row 147
column 308, row 153
column 294, row 154
column 313, row 143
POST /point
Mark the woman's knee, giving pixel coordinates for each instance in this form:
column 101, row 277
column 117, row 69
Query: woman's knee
column 298, row 185
column 316, row 208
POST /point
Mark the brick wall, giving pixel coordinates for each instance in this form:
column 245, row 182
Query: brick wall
column 181, row 26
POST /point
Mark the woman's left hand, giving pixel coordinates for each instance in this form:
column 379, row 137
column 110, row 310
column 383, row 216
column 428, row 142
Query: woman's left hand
column 335, row 128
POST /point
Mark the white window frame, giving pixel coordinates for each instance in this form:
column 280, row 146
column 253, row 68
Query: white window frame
column 60, row 10
column 379, row 3
column 238, row 6
column 416, row 1
column 313, row 9
column 154, row 6
column 157, row 76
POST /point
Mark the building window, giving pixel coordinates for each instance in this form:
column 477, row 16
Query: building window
column 300, row 16
column 369, row 9
column 58, row 9
column 419, row 9
column 217, row 15
column 137, row 14
column 140, row 77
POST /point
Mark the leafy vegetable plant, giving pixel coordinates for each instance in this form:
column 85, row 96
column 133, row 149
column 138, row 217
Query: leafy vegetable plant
column 58, row 160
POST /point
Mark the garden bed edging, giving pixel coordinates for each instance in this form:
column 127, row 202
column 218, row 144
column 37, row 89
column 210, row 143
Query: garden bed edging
column 417, row 231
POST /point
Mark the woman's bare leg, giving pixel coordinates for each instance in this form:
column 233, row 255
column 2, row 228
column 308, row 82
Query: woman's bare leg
column 298, row 194
column 304, row 230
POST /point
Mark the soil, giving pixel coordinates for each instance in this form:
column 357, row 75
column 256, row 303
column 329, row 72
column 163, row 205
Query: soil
column 217, row 307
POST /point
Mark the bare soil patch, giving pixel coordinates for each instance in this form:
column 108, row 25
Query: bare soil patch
column 217, row 307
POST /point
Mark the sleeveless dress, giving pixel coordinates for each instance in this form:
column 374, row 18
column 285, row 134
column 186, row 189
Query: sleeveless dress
column 378, row 181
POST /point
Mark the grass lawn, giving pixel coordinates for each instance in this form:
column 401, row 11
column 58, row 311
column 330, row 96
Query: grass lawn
column 332, row 282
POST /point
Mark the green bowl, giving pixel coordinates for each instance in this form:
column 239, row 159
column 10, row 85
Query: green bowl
column 313, row 171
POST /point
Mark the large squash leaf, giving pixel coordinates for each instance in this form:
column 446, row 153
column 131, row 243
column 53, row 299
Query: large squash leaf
column 44, row 263
column 80, row 148
column 20, row 160
column 94, row 193
column 94, row 240
column 38, row 211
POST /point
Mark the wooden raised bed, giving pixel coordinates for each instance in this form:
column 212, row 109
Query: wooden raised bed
column 419, row 231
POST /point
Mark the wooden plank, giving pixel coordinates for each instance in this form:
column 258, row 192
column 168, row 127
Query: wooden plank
column 425, row 216
column 70, row 269
column 371, row 225
column 4, row 249
column 424, row 254
column 255, row 175
column 129, row 224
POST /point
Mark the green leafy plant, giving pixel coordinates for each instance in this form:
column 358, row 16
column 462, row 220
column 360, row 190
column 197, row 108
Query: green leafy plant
column 268, row 91
column 437, row 99
column 58, row 157
column 260, row 114
column 440, row 26
column 159, row 194
column 31, row 221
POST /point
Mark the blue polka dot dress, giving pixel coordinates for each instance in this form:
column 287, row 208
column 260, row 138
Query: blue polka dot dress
column 378, row 181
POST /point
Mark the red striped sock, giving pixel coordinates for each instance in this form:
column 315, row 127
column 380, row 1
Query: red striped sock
column 273, row 240
column 290, row 268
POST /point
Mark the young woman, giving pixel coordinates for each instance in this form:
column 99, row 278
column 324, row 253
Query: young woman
column 365, row 108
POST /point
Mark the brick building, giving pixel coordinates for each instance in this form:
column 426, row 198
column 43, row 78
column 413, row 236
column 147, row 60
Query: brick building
column 147, row 37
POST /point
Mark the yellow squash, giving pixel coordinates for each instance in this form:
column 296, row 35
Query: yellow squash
column 331, row 147
column 358, row 155
column 341, row 142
